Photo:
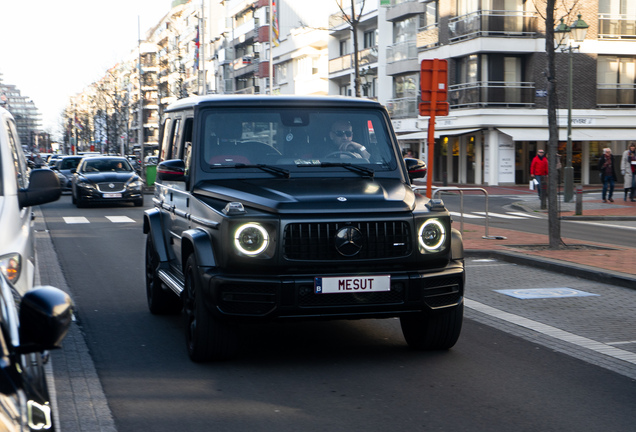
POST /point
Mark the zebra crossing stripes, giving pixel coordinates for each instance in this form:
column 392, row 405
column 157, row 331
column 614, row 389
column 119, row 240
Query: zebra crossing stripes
column 70, row 220
column 508, row 215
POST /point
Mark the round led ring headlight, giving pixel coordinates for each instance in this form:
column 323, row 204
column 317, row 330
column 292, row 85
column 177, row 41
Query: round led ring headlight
column 251, row 239
column 431, row 235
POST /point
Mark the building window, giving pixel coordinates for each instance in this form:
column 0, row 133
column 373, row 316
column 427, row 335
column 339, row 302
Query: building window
column 616, row 81
column 429, row 17
column 616, row 19
column 280, row 74
column 490, row 80
column 369, row 39
column 343, row 47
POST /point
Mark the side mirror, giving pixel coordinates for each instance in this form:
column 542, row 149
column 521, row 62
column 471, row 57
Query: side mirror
column 416, row 168
column 171, row 170
column 46, row 314
column 44, row 187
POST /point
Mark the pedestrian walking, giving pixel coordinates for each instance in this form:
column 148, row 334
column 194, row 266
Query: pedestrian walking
column 608, row 175
column 539, row 170
column 628, row 170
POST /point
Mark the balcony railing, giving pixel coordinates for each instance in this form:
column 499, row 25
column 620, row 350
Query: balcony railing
column 491, row 94
column 365, row 56
column 428, row 37
column 493, row 23
column 616, row 26
column 616, row 95
column 403, row 107
column 401, row 51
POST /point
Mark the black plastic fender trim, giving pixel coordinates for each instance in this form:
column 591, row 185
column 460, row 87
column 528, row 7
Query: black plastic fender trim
column 201, row 246
column 153, row 228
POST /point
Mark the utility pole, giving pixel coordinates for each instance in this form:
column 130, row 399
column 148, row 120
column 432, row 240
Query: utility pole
column 202, row 58
column 140, row 115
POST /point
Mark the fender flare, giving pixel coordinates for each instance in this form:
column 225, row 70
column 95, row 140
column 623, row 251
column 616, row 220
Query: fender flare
column 457, row 245
column 153, row 227
column 198, row 241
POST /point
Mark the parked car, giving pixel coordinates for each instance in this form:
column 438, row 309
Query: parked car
column 151, row 160
column 30, row 325
column 20, row 188
column 294, row 208
column 106, row 179
column 64, row 170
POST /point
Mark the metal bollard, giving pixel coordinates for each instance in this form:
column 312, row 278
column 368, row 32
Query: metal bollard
column 544, row 193
column 578, row 208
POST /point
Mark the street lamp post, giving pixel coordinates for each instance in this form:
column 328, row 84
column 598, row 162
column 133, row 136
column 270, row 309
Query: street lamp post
column 578, row 31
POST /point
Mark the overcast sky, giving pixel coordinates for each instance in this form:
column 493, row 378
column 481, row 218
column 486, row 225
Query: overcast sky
column 52, row 50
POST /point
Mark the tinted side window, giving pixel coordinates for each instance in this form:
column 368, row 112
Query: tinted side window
column 19, row 162
column 167, row 139
column 174, row 152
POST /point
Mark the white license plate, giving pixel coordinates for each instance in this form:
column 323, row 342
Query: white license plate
column 112, row 195
column 352, row 284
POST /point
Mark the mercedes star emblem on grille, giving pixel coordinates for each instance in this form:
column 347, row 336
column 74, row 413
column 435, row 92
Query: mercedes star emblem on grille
column 110, row 185
column 349, row 241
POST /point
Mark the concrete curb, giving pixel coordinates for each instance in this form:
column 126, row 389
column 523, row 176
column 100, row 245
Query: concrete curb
column 567, row 268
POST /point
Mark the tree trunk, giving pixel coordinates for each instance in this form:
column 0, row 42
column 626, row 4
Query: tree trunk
column 554, row 224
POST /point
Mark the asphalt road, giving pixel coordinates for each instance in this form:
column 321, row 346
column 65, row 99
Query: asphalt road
column 335, row 376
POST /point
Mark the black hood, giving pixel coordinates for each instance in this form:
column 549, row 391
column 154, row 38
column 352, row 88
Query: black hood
column 327, row 195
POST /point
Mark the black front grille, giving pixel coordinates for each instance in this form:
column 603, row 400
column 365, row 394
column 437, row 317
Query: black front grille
column 442, row 291
column 105, row 187
column 316, row 241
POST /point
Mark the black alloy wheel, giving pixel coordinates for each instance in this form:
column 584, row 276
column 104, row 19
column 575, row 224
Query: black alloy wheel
column 207, row 338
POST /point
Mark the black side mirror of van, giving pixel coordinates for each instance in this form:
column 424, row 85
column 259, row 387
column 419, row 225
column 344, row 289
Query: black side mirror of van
column 44, row 187
column 171, row 170
column 46, row 314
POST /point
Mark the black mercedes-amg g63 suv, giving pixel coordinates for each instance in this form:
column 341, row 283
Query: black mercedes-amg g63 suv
column 276, row 207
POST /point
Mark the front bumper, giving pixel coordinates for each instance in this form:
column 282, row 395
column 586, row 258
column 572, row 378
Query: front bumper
column 96, row 196
column 237, row 296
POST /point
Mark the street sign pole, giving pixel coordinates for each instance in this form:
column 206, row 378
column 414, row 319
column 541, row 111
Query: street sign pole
column 433, row 89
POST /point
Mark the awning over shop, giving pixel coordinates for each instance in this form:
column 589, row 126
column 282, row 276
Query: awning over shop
column 424, row 134
column 441, row 133
column 578, row 134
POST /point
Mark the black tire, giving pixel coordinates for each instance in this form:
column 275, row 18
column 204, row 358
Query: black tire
column 73, row 198
column 139, row 202
column 438, row 330
column 161, row 301
column 207, row 338
column 79, row 202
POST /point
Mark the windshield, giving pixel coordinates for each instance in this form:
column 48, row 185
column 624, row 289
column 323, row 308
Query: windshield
column 294, row 139
column 106, row 165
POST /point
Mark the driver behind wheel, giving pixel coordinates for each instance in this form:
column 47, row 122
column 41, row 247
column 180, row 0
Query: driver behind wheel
column 341, row 136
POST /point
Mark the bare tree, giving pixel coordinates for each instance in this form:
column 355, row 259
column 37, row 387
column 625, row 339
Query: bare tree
column 554, row 223
column 353, row 20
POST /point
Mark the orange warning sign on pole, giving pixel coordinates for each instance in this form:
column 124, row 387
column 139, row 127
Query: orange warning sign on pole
column 434, row 92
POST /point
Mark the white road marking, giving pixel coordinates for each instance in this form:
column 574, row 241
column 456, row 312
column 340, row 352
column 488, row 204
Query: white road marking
column 527, row 215
column 75, row 219
column 466, row 215
column 554, row 332
column 499, row 215
column 119, row 219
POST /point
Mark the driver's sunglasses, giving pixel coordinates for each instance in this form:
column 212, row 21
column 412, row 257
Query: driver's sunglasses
column 341, row 133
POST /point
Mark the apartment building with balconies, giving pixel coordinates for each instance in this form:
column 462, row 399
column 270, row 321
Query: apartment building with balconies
column 498, row 87
column 356, row 30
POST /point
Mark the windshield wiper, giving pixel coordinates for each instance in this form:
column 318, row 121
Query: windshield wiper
column 265, row 167
column 368, row 172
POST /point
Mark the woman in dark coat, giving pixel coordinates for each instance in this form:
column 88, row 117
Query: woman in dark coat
column 608, row 175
